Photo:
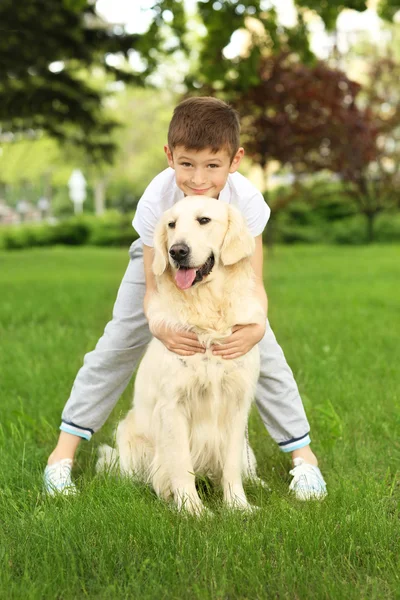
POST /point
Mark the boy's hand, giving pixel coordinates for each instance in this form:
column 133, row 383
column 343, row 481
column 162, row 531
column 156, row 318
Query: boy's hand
column 184, row 343
column 242, row 340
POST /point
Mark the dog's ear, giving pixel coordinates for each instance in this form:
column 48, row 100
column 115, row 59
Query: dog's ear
column 160, row 261
column 238, row 242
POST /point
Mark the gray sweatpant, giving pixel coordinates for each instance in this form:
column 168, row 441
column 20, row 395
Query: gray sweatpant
column 109, row 367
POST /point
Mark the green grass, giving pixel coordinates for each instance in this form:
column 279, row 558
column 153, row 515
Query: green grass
column 335, row 312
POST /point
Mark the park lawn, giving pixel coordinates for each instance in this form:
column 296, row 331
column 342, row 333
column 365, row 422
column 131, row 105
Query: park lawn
column 335, row 311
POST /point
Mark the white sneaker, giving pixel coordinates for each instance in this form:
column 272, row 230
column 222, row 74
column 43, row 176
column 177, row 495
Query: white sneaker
column 57, row 478
column 307, row 483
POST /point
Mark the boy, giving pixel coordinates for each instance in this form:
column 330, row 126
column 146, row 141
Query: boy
column 203, row 154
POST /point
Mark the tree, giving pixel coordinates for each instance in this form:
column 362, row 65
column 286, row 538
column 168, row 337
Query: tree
column 49, row 50
column 307, row 118
column 375, row 184
column 266, row 35
column 314, row 118
column 34, row 168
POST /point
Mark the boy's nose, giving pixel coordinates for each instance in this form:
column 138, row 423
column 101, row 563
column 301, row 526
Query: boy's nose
column 198, row 178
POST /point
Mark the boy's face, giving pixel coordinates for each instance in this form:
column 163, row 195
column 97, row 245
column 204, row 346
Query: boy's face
column 202, row 172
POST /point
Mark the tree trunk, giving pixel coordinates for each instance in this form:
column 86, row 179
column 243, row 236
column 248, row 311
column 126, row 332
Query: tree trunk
column 370, row 216
column 99, row 196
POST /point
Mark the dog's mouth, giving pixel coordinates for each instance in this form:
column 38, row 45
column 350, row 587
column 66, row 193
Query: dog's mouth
column 185, row 277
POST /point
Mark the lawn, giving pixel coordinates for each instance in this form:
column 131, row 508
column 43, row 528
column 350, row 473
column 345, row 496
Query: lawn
column 335, row 311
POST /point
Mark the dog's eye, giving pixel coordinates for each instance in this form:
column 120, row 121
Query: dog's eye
column 203, row 220
column 171, row 224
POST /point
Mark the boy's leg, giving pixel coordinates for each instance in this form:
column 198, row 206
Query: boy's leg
column 278, row 399
column 282, row 412
column 107, row 369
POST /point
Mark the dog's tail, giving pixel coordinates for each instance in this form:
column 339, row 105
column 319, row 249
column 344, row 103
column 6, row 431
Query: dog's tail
column 108, row 459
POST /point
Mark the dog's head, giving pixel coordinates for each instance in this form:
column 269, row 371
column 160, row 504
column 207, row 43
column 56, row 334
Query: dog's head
column 196, row 235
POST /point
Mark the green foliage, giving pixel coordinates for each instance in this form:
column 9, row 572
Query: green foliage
column 34, row 168
column 324, row 214
column 214, row 71
column 298, row 223
column 34, row 98
column 329, row 10
column 145, row 115
column 387, row 9
column 111, row 229
column 67, row 104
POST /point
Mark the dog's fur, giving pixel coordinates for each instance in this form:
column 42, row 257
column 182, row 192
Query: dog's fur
column 190, row 413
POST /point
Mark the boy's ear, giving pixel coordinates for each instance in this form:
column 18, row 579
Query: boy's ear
column 169, row 156
column 160, row 261
column 238, row 242
column 237, row 159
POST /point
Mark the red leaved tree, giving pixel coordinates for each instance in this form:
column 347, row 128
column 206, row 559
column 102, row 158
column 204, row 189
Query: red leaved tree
column 308, row 118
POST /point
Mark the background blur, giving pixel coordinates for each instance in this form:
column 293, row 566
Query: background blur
column 89, row 87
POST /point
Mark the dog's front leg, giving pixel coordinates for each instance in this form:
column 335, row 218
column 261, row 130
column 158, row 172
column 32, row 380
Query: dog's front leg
column 232, row 484
column 173, row 447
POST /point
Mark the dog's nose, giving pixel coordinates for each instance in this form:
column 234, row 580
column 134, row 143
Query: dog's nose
column 179, row 252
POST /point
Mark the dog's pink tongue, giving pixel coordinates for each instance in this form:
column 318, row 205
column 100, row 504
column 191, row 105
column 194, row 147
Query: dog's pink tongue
column 184, row 278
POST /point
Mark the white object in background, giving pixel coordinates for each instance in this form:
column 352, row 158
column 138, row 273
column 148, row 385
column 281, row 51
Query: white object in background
column 43, row 205
column 22, row 209
column 77, row 189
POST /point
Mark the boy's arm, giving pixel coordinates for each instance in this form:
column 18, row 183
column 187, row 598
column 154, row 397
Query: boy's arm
column 184, row 343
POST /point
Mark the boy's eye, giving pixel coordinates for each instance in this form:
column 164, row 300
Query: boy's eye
column 186, row 164
column 203, row 220
column 171, row 224
column 213, row 166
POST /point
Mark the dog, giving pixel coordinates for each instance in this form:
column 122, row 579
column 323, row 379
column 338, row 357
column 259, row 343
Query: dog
column 190, row 414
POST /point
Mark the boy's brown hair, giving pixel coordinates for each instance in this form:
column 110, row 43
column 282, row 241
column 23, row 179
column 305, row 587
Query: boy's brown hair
column 205, row 122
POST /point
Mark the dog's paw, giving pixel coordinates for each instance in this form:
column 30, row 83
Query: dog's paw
column 194, row 508
column 107, row 459
column 242, row 506
column 188, row 502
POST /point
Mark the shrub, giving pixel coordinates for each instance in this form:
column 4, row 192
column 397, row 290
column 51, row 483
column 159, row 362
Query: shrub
column 388, row 228
column 111, row 229
column 351, row 231
column 25, row 236
column 72, row 232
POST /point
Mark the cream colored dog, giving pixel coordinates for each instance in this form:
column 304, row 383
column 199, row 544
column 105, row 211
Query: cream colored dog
column 190, row 413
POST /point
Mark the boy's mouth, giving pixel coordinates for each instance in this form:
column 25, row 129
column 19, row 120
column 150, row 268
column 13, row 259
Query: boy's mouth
column 195, row 191
column 186, row 277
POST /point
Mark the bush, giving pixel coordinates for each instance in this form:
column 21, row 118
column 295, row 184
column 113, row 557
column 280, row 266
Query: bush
column 300, row 223
column 323, row 214
column 351, row 231
column 291, row 234
column 72, row 232
column 387, row 228
column 25, row 236
column 111, row 229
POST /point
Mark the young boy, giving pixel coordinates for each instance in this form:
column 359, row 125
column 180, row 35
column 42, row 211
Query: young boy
column 203, row 154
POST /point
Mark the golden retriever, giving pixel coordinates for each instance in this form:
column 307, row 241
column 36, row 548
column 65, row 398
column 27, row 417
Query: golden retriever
column 190, row 413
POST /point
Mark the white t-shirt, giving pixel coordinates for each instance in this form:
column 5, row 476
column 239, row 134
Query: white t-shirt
column 162, row 193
